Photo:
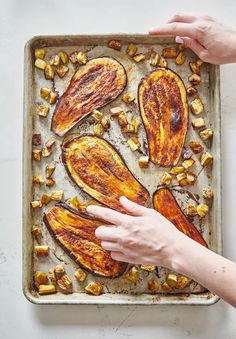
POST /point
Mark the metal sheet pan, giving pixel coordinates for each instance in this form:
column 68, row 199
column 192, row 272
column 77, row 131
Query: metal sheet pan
column 117, row 291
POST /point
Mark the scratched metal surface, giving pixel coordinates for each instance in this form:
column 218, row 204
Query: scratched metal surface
column 118, row 290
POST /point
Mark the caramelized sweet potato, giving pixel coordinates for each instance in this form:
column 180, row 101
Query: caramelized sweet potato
column 164, row 111
column 165, row 203
column 75, row 232
column 94, row 85
column 97, row 168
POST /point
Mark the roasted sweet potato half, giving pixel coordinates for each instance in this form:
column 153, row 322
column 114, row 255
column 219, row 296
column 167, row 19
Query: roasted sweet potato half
column 165, row 203
column 94, row 85
column 97, row 168
column 164, row 111
column 75, row 232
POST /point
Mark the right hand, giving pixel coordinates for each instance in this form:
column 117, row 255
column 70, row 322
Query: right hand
column 212, row 41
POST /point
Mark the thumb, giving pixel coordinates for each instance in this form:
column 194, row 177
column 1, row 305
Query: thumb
column 132, row 208
column 194, row 45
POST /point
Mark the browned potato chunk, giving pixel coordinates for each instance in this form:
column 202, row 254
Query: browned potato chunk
column 180, row 59
column 114, row 44
column 82, row 58
column 94, row 288
column 105, row 122
column 116, row 111
column 166, row 178
column 177, row 169
column 143, row 161
column 153, row 285
column 64, row 57
column 36, row 139
column 206, row 159
column 195, row 68
column 206, row 134
column 65, row 283
column 41, row 278
column 191, row 210
column 134, row 144
column 45, row 199
column 169, row 52
column 139, row 57
column 38, row 179
column 98, row 129
column 39, row 53
column 163, row 62
column 97, row 115
column 62, row 70
column 131, row 50
column 135, row 122
column 207, row 193
column 191, row 90
column 80, row 275
column 182, row 282
column 36, row 204
column 42, row 110
column 166, row 287
column 128, row 98
column 196, row 106
column 57, row 195
column 148, row 268
column 37, row 154
column 132, row 275
column 49, row 170
column 188, row 163
column 171, row 280
column 194, row 79
column 45, row 92
column 154, row 59
column 50, row 182
column 41, row 250
column 122, row 120
column 199, row 123
column 196, row 146
column 47, row 289
column 52, row 98
column 202, row 210
column 129, row 128
column 40, row 64
column 55, row 60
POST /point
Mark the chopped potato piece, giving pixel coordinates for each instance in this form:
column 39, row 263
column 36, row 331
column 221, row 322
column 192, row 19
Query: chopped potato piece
column 55, row 60
column 171, row 280
column 139, row 57
column 131, row 50
column 98, row 129
column 206, row 134
column 143, row 161
column 36, row 139
column 45, row 92
column 122, row 120
column 40, row 64
column 163, row 62
column 59, row 271
column 196, row 106
column 114, row 44
column 36, row 231
column 207, row 193
column 94, row 288
column 64, row 57
column 196, row 146
column 148, row 268
column 39, row 53
column 38, row 178
column 129, row 128
column 52, row 275
column 166, row 178
column 195, row 68
column 199, row 123
column 62, row 70
column 191, row 90
column 188, row 163
column 132, row 275
column 153, row 285
column 206, row 159
column 47, row 289
column 49, row 170
column 41, row 278
column 135, row 122
column 50, row 182
column 134, row 144
column 191, row 210
column 80, row 274
column 169, row 52
column 194, row 79
column 52, row 98
column 180, row 59
column 116, row 111
column 50, row 142
column 97, row 115
column 182, row 282
column 42, row 110
column 46, row 152
column 41, row 250
column 128, row 98
column 191, row 178
column 177, row 170
column 154, row 59
column 57, row 195
column 182, row 179
column 45, row 199
column 36, row 203
column 82, row 58
column 73, row 57
column 64, row 283
column 37, row 154
column 187, row 155
column 105, row 122
column 202, row 210
column 166, row 287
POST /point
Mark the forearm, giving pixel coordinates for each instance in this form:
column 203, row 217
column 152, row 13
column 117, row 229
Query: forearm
column 212, row 271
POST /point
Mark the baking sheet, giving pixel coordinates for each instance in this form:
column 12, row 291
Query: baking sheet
column 118, row 290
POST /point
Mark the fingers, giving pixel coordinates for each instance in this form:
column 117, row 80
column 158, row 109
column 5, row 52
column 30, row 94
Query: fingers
column 183, row 17
column 133, row 208
column 119, row 256
column 111, row 246
column 107, row 214
column 181, row 29
column 107, row 233
column 193, row 45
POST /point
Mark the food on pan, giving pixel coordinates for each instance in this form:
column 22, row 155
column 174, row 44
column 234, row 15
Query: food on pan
column 97, row 168
column 94, row 85
column 94, row 288
column 75, row 232
column 169, row 52
column 165, row 203
column 164, row 111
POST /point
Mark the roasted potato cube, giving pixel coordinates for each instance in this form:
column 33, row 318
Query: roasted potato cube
column 182, row 282
column 42, row 110
column 180, row 59
column 114, row 44
column 36, row 139
column 206, row 134
column 74, row 202
column 191, row 90
column 135, row 122
column 194, row 79
column 171, row 280
column 191, row 178
column 116, row 111
column 94, row 288
column 39, row 53
column 154, row 59
column 206, row 159
column 188, row 163
column 148, row 268
column 182, row 179
column 41, row 250
column 59, row 271
column 128, row 98
column 187, row 155
column 98, row 129
column 62, row 70
column 45, row 92
column 207, row 193
column 52, row 275
column 196, row 106
column 41, row 278
column 195, row 68
column 50, row 182
column 166, row 178
column 37, row 154
column 122, row 120
column 97, row 115
column 199, row 123
column 45, row 199
column 50, row 142
column 169, row 52
column 64, row 57
column 143, row 161
column 132, row 275
column 191, row 210
column 177, row 169
column 134, row 144
column 166, row 287
column 54, row 60
column 129, row 128
column 57, row 195
column 202, row 210
column 52, row 98
column 139, row 57
column 47, row 289
column 73, row 57
column 36, row 231
column 153, row 285
column 36, row 204
column 64, row 283
column 40, row 64
column 105, row 123
column 196, row 146
column 80, row 275
column 163, row 62
column 49, row 170
column 82, row 58
column 131, row 50
column 46, row 152
column 38, row 179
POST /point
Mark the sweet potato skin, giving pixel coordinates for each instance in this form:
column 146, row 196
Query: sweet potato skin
column 97, row 168
column 75, row 232
column 94, row 85
column 164, row 110
column 165, row 203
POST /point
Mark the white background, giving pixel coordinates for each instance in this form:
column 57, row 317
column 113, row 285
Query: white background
column 19, row 21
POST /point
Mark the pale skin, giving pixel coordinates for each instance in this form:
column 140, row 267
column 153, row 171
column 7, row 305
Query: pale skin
column 144, row 236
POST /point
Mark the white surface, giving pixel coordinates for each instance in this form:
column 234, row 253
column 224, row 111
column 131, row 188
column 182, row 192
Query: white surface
column 20, row 20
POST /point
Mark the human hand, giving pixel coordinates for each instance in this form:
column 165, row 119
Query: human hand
column 212, row 41
column 142, row 237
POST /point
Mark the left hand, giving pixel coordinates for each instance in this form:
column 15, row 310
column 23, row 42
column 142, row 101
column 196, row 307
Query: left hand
column 143, row 236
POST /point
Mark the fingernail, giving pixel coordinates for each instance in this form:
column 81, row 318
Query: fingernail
column 179, row 40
